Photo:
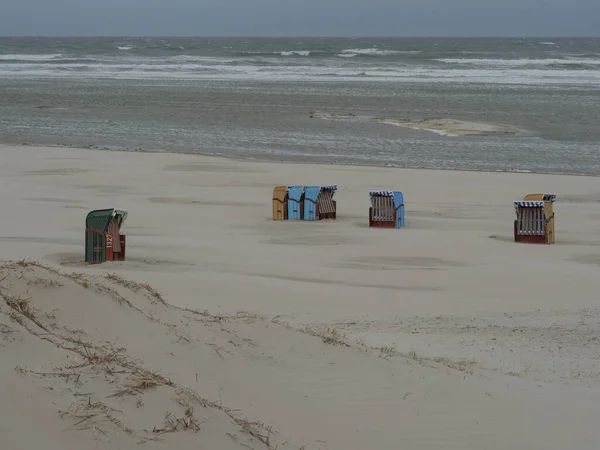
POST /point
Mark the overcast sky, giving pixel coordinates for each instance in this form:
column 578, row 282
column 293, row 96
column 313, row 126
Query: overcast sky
column 300, row 17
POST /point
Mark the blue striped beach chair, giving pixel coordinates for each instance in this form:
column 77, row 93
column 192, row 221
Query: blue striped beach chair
column 295, row 202
column 387, row 209
column 319, row 203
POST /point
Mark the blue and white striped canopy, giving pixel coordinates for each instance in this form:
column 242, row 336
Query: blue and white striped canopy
column 381, row 193
column 331, row 187
column 525, row 204
column 550, row 197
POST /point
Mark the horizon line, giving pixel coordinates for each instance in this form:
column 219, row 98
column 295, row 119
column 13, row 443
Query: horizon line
column 306, row 36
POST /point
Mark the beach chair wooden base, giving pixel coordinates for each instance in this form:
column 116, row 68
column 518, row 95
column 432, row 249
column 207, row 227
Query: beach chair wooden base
column 281, row 213
column 546, row 238
column 381, row 223
column 120, row 256
column 327, row 215
column 104, row 248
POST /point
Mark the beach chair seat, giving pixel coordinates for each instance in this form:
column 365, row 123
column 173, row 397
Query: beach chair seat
column 387, row 209
column 534, row 222
column 103, row 239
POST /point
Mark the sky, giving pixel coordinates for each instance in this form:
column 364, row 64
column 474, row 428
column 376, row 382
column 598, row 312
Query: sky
column 300, row 18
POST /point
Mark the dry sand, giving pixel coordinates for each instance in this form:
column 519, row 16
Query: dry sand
column 226, row 330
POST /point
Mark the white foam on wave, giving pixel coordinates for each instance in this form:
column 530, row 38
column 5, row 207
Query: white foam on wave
column 346, row 55
column 196, row 67
column 124, row 48
column 23, row 57
column 520, row 62
column 192, row 59
column 548, row 43
column 294, row 53
column 377, row 51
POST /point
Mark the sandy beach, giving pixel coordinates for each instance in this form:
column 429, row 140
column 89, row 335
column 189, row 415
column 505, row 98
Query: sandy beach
column 224, row 329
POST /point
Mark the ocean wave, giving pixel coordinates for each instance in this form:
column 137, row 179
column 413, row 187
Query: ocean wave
column 26, row 57
column 522, row 62
column 239, row 70
column 282, row 53
column 377, row 52
column 294, row 53
column 124, row 48
column 547, row 43
column 573, row 66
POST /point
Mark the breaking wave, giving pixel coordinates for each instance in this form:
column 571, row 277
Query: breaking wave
column 377, row 52
column 583, row 62
column 25, row 57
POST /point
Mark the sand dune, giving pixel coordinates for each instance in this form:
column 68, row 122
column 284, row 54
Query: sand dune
column 224, row 329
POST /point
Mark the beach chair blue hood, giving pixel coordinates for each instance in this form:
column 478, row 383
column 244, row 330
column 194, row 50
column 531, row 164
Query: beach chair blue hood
column 295, row 194
column 311, row 194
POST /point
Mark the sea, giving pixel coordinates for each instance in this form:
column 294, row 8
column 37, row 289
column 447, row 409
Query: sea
column 254, row 98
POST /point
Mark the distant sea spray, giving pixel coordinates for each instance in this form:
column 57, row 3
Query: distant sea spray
column 500, row 61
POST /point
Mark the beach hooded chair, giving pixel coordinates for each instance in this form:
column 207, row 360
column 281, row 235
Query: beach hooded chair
column 319, row 203
column 103, row 239
column 535, row 219
column 387, row 209
column 280, row 203
column 295, row 202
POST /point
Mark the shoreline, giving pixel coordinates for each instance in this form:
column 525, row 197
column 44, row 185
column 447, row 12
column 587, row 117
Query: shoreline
column 292, row 161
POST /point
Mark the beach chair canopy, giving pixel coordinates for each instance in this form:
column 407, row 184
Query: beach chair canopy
column 381, row 194
column 295, row 192
column 545, row 202
column 100, row 219
column 332, row 188
column 540, row 197
column 527, row 204
column 279, row 192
